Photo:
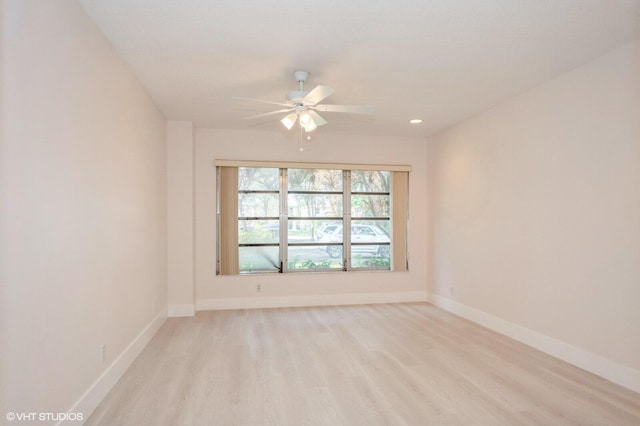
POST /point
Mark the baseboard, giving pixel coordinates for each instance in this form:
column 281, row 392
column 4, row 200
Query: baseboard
column 593, row 363
column 99, row 389
column 310, row 300
column 187, row 310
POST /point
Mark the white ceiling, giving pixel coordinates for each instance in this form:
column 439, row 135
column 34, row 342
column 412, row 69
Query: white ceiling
column 440, row 60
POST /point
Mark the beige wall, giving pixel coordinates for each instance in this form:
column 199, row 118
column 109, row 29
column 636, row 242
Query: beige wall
column 82, row 193
column 260, row 145
column 180, row 202
column 535, row 208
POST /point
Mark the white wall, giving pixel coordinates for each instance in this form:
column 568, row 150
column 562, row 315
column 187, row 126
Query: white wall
column 536, row 212
column 82, row 192
column 180, row 220
column 298, row 288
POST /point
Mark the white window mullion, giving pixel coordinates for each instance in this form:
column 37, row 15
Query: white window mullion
column 284, row 221
column 346, row 220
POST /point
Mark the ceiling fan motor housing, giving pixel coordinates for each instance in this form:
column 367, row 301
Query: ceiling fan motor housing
column 301, row 76
column 296, row 96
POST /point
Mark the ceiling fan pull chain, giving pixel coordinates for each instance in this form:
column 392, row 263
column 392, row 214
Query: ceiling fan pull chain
column 301, row 148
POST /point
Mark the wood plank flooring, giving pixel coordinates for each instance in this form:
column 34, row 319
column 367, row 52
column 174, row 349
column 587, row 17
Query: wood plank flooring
column 394, row 364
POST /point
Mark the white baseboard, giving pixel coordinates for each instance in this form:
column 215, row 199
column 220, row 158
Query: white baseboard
column 593, row 363
column 99, row 389
column 310, row 300
column 187, row 310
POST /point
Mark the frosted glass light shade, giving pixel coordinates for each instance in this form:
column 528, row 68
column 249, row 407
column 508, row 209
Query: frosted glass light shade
column 289, row 120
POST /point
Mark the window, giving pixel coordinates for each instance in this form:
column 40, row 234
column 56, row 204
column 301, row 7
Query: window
column 258, row 218
column 293, row 218
column 315, row 202
column 370, row 219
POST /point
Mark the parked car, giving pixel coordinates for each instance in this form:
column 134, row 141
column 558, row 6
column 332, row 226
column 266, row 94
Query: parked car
column 370, row 234
column 326, row 228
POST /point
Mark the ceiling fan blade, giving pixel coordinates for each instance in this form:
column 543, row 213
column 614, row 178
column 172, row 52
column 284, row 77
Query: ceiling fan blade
column 317, row 118
column 239, row 98
column 318, row 94
column 266, row 114
column 354, row 109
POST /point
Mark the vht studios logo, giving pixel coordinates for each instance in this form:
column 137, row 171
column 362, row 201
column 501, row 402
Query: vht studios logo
column 44, row 417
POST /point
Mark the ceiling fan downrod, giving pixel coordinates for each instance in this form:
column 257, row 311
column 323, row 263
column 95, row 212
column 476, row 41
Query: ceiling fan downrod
column 301, row 77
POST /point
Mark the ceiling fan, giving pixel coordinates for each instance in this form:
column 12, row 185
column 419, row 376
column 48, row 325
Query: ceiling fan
column 302, row 106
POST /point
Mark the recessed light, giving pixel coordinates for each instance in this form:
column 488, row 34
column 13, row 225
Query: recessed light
column 415, row 121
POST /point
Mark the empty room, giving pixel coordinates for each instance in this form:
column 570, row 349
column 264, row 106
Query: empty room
column 177, row 179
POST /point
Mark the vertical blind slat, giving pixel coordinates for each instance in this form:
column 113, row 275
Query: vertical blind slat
column 229, row 263
column 400, row 182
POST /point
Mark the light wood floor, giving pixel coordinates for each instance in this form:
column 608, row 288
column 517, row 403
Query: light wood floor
column 389, row 364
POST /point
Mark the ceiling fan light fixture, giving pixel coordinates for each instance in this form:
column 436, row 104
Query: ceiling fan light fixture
column 307, row 122
column 415, row 121
column 289, row 120
column 305, row 119
column 310, row 127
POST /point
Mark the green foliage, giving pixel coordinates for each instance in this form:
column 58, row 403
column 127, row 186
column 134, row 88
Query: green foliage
column 256, row 235
column 315, row 180
column 298, row 263
column 370, row 181
column 250, row 178
column 372, row 262
column 377, row 262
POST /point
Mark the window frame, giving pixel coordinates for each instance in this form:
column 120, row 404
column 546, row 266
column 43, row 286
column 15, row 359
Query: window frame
column 284, row 258
column 346, row 220
column 353, row 219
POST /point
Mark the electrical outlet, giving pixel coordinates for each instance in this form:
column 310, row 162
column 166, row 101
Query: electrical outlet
column 258, row 288
column 451, row 291
column 103, row 349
